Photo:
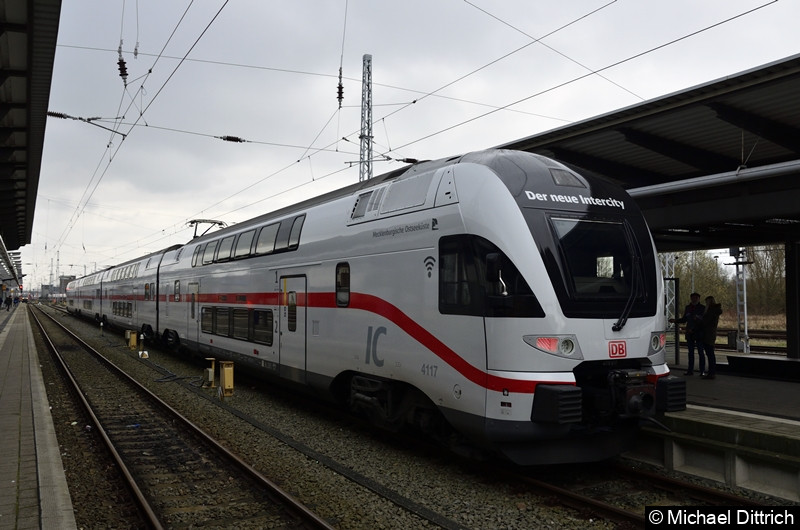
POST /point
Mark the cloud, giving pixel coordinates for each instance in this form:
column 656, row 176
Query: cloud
column 267, row 73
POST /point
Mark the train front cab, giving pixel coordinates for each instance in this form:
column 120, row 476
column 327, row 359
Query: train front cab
column 574, row 321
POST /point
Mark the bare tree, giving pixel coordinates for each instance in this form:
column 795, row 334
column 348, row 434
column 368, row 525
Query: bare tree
column 766, row 279
column 702, row 272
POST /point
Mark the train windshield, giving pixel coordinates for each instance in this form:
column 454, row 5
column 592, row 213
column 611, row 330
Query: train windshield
column 600, row 266
column 598, row 256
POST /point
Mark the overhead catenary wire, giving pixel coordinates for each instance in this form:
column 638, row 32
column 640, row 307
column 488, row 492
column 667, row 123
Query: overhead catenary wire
column 588, row 74
column 70, row 224
column 340, row 87
column 555, row 87
column 320, row 74
column 90, row 189
column 540, row 40
column 507, row 106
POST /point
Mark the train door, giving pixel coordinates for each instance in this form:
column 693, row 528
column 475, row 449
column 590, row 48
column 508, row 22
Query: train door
column 193, row 314
column 292, row 328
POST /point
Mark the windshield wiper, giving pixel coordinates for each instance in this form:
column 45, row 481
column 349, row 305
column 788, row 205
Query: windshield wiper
column 637, row 273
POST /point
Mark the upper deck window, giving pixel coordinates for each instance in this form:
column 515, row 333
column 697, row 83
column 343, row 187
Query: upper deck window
column 198, row 251
column 294, row 236
column 243, row 244
column 225, row 248
column 266, row 239
column 208, row 254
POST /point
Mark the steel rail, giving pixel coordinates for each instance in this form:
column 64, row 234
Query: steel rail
column 144, row 505
column 299, row 509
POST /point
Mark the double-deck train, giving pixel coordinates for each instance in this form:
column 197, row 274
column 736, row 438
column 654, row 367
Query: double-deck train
column 498, row 297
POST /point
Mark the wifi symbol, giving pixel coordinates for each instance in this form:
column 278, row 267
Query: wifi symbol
column 429, row 261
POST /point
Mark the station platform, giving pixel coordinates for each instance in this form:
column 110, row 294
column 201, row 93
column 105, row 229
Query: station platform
column 739, row 429
column 33, row 487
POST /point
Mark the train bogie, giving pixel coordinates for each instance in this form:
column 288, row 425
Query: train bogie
column 499, row 295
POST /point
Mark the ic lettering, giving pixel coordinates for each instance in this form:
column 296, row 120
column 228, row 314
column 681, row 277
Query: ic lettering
column 372, row 346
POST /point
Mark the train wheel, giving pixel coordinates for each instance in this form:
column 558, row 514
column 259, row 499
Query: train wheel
column 172, row 339
column 147, row 331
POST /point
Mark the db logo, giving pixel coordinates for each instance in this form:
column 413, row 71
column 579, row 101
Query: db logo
column 617, row 348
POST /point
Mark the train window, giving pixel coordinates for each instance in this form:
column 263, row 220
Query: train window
column 458, row 277
column 198, row 251
column 360, row 207
column 407, row 193
column 178, row 254
column 282, row 239
column 225, row 248
column 266, row 239
column 241, row 323
column 153, row 291
column 598, row 257
column 292, row 316
column 466, row 288
column 343, row 284
column 294, row 236
column 208, row 253
column 243, row 244
column 194, row 290
column 207, row 319
column 147, row 292
column 177, row 290
column 262, row 326
column 564, row 177
column 222, row 321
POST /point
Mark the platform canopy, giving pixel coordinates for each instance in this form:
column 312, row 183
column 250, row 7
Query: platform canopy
column 28, row 31
column 712, row 166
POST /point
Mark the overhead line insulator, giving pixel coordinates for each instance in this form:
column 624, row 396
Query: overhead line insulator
column 123, row 70
column 340, row 89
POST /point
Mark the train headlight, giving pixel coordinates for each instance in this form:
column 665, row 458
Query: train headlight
column 566, row 347
column 658, row 340
column 559, row 345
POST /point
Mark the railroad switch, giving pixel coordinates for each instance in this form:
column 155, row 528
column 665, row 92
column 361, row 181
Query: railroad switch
column 226, row 378
column 208, row 374
column 131, row 337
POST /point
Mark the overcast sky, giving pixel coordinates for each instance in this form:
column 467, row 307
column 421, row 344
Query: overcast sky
column 449, row 76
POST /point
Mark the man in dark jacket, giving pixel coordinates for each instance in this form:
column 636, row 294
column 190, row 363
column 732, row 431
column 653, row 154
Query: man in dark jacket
column 693, row 318
column 709, row 325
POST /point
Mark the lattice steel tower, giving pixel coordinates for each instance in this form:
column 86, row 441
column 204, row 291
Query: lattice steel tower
column 365, row 165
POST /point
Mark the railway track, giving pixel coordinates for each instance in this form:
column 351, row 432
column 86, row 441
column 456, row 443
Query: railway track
column 591, row 493
column 179, row 476
column 621, row 493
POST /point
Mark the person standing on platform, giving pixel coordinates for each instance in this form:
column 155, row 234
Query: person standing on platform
column 7, row 301
column 693, row 318
column 709, row 332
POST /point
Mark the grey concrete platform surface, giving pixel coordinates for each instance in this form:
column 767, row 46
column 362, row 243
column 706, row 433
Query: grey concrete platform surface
column 33, row 488
column 738, row 430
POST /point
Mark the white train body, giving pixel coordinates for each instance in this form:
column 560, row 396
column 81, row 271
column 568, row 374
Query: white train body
column 516, row 298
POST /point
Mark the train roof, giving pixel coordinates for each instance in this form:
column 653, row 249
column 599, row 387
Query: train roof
column 417, row 167
column 488, row 157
